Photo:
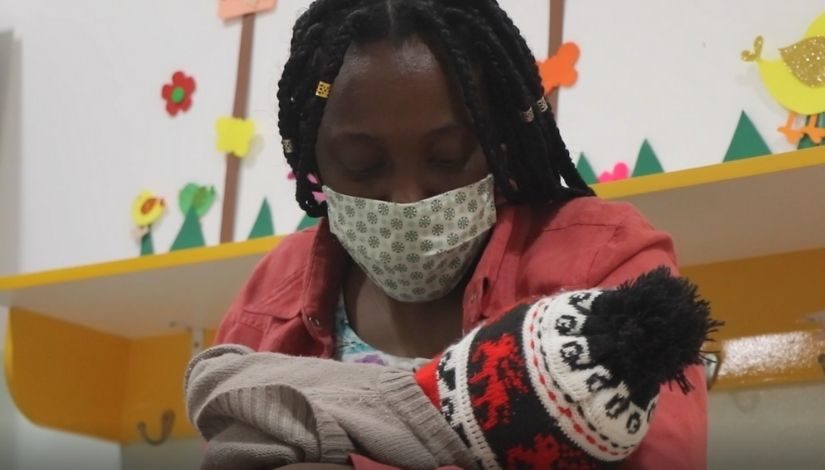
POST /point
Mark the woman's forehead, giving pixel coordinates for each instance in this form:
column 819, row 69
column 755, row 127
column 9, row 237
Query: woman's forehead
column 387, row 84
column 410, row 55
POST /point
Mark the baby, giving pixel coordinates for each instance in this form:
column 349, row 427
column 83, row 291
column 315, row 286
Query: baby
column 567, row 381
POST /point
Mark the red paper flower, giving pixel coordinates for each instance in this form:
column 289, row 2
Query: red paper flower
column 178, row 94
column 620, row 172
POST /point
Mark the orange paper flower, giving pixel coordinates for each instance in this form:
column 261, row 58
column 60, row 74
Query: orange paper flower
column 560, row 70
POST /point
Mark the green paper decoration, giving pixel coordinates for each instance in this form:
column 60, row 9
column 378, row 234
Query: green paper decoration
column 191, row 234
column 747, row 142
column 178, row 94
column 806, row 141
column 307, row 222
column 647, row 163
column 263, row 226
column 198, row 197
column 586, row 171
column 147, row 246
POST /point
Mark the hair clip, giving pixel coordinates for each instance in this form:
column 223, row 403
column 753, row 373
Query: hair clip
column 542, row 105
column 527, row 116
column 288, row 146
column 323, row 89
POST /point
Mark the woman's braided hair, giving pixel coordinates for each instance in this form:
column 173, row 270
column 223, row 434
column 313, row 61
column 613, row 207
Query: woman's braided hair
column 489, row 61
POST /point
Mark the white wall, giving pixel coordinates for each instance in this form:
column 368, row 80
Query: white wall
column 82, row 130
column 93, row 131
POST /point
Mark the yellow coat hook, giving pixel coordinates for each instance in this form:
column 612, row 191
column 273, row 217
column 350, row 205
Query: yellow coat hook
column 167, row 421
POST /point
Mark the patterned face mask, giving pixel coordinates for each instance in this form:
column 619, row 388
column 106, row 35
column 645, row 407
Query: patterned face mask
column 419, row 251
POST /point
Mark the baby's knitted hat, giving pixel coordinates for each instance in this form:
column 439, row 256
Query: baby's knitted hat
column 570, row 381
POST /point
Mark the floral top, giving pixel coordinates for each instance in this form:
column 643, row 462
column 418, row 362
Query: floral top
column 350, row 348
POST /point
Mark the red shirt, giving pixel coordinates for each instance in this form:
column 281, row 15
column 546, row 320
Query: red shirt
column 288, row 304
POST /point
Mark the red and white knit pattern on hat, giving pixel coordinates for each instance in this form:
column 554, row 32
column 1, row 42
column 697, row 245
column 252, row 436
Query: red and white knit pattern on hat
column 523, row 392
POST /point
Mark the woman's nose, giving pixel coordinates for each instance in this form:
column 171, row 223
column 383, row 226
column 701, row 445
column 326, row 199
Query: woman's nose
column 403, row 193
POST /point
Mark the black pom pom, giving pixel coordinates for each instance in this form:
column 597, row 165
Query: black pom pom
column 650, row 329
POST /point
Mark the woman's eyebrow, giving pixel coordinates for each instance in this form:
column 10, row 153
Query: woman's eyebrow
column 450, row 128
column 366, row 137
column 354, row 136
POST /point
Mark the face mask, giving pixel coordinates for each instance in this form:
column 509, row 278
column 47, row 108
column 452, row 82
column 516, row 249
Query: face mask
column 419, row 251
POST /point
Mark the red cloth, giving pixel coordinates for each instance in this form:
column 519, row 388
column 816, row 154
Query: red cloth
column 363, row 463
column 288, row 304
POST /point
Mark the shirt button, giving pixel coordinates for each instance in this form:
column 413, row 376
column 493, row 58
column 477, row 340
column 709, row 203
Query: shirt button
column 315, row 322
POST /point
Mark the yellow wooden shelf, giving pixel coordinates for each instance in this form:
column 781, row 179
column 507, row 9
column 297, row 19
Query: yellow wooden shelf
column 103, row 335
column 742, row 209
column 140, row 297
column 751, row 233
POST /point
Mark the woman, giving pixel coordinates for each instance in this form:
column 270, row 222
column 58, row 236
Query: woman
column 388, row 110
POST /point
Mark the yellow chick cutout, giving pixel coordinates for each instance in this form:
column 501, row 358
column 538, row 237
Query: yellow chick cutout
column 797, row 80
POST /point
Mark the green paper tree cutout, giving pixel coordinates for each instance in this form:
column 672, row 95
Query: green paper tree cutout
column 647, row 163
column 195, row 201
column 586, row 170
column 191, row 234
column 307, row 222
column 263, row 226
column 147, row 246
column 806, row 141
column 747, row 142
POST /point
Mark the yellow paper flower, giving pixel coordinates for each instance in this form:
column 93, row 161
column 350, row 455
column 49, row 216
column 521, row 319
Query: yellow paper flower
column 234, row 135
column 147, row 209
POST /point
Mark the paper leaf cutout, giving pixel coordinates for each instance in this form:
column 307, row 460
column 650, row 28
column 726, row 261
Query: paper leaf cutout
column 585, row 170
column 806, row 141
column 620, row 172
column 234, row 135
column 147, row 246
column 233, row 8
column 178, row 94
column 147, row 209
column 647, row 163
column 198, row 197
column 747, row 142
column 307, row 222
column 263, row 226
column 560, row 70
column 190, row 234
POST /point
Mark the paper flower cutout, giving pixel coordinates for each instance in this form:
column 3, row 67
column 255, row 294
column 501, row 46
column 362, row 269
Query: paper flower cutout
column 234, row 135
column 178, row 94
column 560, row 70
column 147, row 209
column 196, row 197
column 318, row 195
column 620, row 172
